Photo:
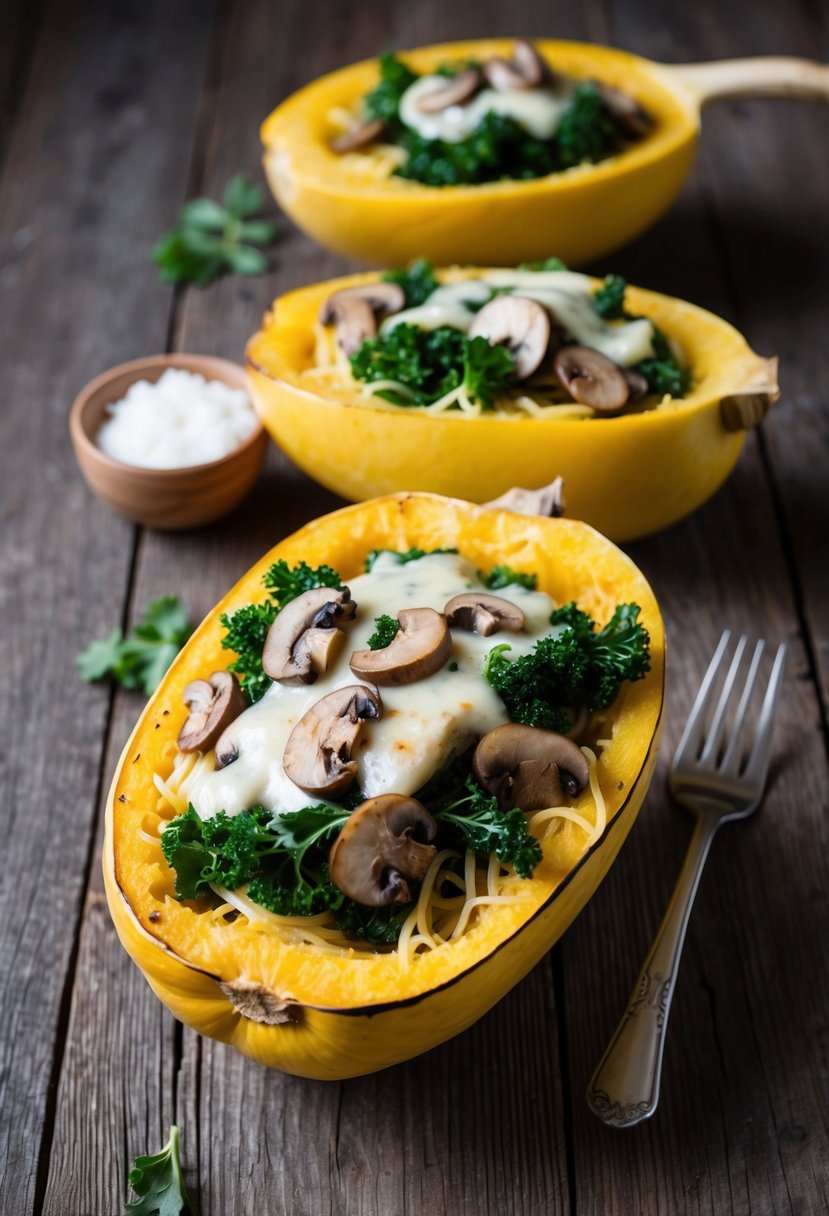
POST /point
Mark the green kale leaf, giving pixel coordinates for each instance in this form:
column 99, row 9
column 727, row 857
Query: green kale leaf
column 403, row 555
column 417, row 280
column 384, row 99
column 587, row 132
column 662, row 372
column 579, row 667
column 140, row 659
column 159, row 1183
column 505, row 576
column 544, row 264
column 609, row 299
column 485, row 828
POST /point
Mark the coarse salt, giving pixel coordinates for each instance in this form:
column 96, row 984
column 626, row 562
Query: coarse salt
column 180, row 420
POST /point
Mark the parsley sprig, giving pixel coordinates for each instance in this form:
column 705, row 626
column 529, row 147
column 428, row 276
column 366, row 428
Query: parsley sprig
column 212, row 239
column 139, row 660
column 159, row 1183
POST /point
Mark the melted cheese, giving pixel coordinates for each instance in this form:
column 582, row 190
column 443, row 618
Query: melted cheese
column 447, row 305
column 537, row 111
column 423, row 725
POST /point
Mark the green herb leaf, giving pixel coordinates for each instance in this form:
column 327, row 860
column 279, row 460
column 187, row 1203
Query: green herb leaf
column 140, row 659
column 505, row 576
column 417, row 280
column 159, row 1183
column 544, row 264
column 662, row 372
column 385, row 632
column 487, row 829
column 212, row 239
column 403, row 555
column 609, row 299
column 384, row 99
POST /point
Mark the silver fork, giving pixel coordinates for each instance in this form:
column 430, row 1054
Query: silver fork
column 718, row 775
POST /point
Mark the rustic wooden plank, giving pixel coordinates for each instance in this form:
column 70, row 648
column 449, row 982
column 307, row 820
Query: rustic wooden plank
column 742, row 1123
column 338, row 1148
column 88, row 186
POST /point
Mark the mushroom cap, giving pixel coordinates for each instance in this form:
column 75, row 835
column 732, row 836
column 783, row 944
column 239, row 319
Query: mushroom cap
column 383, row 843
column 547, row 500
column 355, row 311
column 631, row 117
column 420, row 647
column 638, row 386
column 318, row 754
column 525, row 70
column 530, row 768
column 591, row 378
column 522, row 325
column 213, row 705
column 360, row 136
column 305, row 634
column 484, row 614
column 455, row 92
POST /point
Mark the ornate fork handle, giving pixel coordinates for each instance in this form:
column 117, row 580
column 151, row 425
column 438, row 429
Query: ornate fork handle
column 625, row 1087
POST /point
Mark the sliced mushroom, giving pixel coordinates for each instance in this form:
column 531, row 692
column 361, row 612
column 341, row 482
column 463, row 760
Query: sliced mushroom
column 547, row 500
column 631, row 117
column 485, row 614
column 530, row 768
column 359, row 136
column 354, row 311
column 420, row 647
column 455, row 92
column 525, row 70
column 213, row 705
column 522, row 325
column 638, row 386
column 318, row 754
column 591, row 379
column 304, row 637
column 383, row 846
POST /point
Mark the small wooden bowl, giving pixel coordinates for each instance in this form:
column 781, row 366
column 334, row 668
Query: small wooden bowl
column 163, row 498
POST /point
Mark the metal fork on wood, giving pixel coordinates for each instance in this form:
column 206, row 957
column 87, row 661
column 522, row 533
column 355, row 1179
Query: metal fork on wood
column 718, row 773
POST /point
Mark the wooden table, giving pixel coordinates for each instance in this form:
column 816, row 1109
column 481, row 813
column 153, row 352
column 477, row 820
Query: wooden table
column 115, row 114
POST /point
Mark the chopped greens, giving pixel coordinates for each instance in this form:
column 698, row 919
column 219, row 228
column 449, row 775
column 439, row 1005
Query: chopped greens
column 212, row 239
column 609, row 299
column 385, row 632
column 403, row 555
column 499, row 147
column 579, row 667
column 663, row 373
column 505, row 576
column 544, row 264
column 485, row 828
column 432, row 363
column 417, row 280
column 140, row 659
column 159, row 1183
column 247, row 627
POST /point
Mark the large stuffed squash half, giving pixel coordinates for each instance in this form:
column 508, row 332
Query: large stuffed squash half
column 422, row 891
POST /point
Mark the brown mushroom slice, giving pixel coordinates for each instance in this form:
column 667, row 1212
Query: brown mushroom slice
column 525, row 70
column 522, row 325
column 591, row 379
column 420, row 647
column 354, row 311
column 384, row 845
column 455, row 92
column 547, row 500
column 626, row 110
column 302, row 640
column 213, row 705
column 530, row 768
column 318, row 754
column 359, row 136
column 484, row 614
column 638, row 386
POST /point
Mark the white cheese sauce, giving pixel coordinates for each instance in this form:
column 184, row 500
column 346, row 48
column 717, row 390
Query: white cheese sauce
column 537, row 111
column 424, row 724
column 567, row 296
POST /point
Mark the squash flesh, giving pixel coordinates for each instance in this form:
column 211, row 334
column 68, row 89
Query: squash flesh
column 185, row 953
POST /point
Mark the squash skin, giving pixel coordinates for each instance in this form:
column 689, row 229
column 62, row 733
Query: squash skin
column 627, row 476
column 580, row 214
column 185, row 963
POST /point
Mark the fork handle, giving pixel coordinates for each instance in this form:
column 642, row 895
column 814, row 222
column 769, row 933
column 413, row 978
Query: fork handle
column 624, row 1089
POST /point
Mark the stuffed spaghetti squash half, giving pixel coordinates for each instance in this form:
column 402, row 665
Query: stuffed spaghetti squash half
column 438, row 726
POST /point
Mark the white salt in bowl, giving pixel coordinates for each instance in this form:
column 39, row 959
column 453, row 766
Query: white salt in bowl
column 167, row 498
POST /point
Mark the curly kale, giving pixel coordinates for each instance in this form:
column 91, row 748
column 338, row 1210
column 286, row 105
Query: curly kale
column 587, row 131
column 578, row 667
column 662, row 372
column 505, row 576
column 498, row 148
column 544, row 264
column 432, row 363
column 609, row 299
column 384, row 99
column 403, row 555
column 248, row 626
column 484, row 827
column 385, row 632
column 417, row 280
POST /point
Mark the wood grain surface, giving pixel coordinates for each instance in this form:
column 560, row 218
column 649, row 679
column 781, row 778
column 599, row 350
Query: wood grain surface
column 111, row 117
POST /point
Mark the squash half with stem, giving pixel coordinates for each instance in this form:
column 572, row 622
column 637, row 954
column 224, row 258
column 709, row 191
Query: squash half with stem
column 330, row 1016
column 628, row 476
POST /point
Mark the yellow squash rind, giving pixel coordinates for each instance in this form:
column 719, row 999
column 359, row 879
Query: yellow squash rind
column 340, row 1016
